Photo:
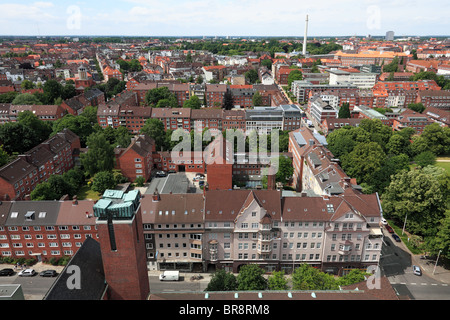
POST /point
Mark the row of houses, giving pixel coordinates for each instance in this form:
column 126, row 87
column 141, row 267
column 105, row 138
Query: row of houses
column 222, row 229
column 124, row 110
column 55, row 155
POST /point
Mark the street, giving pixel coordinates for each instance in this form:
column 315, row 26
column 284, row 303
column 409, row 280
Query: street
column 396, row 264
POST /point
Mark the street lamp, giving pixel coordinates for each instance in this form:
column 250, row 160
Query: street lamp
column 436, row 261
column 404, row 224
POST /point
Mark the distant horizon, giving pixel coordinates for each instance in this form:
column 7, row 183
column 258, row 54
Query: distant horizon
column 218, row 36
column 253, row 18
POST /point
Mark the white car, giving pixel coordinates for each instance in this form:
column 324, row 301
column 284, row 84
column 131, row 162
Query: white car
column 27, row 273
column 383, row 221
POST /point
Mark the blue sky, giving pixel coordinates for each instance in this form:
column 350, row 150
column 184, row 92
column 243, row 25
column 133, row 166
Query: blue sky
column 224, row 17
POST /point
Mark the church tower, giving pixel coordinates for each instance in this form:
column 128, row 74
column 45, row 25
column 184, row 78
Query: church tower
column 121, row 237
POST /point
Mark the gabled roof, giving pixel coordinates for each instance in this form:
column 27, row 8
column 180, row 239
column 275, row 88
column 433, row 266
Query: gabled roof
column 88, row 259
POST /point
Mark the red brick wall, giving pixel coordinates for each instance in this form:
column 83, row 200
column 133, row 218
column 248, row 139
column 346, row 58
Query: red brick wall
column 220, row 176
column 128, row 166
column 126, row 267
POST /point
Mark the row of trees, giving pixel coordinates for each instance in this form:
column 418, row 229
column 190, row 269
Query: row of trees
column 305, row 277
column 380, row 160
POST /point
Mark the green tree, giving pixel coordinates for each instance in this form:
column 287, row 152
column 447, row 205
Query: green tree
column 192, row 103
column 398, row 144
column 354, row 276
column 17, row 137
column 100, row 154
column 8, row 97
column 418, row 196
column 277, row 281
column 250, row 277
column 52, row 91
column 294, row 75
column 103, row 180
column 363, row 161
column 27, row 84
column 425, row 158
column 222, row 281
column 140, row 181
column 418, row 107
column 80, row 125
column 285, row 169
column 251, row 76
column 154, row 128
column 378, row 132
column 306, row 277
column 437, row 138
column 41, row 129
column 4, row 156
column 343, row 141
column 68, row 91
column 344, row 111
column 257, row 99
column 153, row 96
column 26, row 99
column 43, row 191
column 228, row 100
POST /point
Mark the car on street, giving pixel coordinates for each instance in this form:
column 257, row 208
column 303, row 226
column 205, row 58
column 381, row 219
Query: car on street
column 389, row 228
column 27, row 273
column 6, row 272
column 396, row 237
column 416, row 270
column 48, row 273
column 160, row 174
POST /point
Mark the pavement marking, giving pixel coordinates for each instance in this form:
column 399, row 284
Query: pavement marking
column 434, row 284
column 413, row 283
column 424, row 284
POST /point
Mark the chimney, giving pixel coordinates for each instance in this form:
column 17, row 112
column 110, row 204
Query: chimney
column 74, row 200
column 156, row 196
column 306, row 36
column 311, row 142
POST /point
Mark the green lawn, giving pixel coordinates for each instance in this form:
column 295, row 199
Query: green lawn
column 86, row 193
column 445, row 165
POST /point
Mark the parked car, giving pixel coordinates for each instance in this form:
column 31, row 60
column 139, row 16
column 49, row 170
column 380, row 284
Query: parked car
column 416, row 270
column 396, row 237
column 160, row 174
column 27, row 273
column 389, row 229
column 201, row 183
column 48, row 273
column 171, row 171
column 383, row 221
column 6, row 272
column 200, row 175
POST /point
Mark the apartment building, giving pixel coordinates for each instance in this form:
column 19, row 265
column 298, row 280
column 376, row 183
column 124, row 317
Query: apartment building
column 362, row 80
column 334, row 234
column 220, row 229
column 45, row 229
column 137, row 159
column 435, row 98
column 265, row 119
column 173, row 231
column 53, row 156
column 411, row 119
column 321, row 110
column 301, row 89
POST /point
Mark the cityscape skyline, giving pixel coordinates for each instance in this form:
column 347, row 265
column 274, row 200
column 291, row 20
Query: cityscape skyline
column 200, row 18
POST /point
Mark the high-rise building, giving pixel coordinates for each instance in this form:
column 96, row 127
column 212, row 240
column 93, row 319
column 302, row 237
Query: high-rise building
column 390, row 36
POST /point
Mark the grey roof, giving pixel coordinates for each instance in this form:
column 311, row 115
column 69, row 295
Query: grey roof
column 88, row 259
column 33, row 213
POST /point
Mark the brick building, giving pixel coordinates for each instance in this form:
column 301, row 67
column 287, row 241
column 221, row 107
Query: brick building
column 120, row 230
column 55, row 155
column 137, row 160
